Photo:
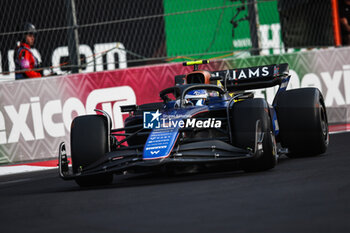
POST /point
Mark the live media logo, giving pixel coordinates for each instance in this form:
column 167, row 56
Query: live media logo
column 151, row 120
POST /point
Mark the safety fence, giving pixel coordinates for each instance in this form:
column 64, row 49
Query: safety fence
column 89, row 35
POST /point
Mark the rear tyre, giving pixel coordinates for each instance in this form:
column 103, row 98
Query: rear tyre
column 245, row 114
column 303, row 122
column 89, row 143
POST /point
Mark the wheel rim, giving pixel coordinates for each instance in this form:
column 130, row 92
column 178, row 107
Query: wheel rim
column 324, row 123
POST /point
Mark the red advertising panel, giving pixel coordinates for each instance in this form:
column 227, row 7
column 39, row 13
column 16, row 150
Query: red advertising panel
column 35, row 115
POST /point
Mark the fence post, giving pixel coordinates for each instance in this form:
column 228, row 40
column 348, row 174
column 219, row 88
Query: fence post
column 72, row 37
column 253, row 26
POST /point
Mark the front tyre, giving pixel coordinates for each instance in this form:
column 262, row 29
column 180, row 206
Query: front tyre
column 245, row 115
column 89, row 143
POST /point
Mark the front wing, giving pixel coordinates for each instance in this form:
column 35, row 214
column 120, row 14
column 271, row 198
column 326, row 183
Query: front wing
column 129, row 158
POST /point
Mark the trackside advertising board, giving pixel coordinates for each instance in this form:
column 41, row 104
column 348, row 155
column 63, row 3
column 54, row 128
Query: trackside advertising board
column 35, row 115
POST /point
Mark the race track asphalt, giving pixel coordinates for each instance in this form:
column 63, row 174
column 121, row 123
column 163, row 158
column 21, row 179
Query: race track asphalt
column 299, row 195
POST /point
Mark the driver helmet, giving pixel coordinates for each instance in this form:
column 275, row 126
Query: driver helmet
column 197, row 97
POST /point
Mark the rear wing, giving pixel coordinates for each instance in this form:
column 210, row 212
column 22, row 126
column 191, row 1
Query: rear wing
column 252, row 77
column 237, row 79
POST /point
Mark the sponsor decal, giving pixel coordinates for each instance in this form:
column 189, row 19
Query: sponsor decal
column 160, row 143
column 247, row 73
column 32, row 121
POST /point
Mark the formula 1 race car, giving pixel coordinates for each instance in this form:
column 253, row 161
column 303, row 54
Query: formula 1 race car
column 200, row 124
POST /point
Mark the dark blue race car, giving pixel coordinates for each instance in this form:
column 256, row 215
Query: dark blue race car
column 208, row 119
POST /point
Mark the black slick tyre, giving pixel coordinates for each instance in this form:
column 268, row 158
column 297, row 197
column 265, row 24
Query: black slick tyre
column 303, row 123
column 89, row 143
column 245, row 115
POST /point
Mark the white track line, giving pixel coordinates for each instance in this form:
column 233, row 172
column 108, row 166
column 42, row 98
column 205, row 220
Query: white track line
column 337, row 132
column 8, row 170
